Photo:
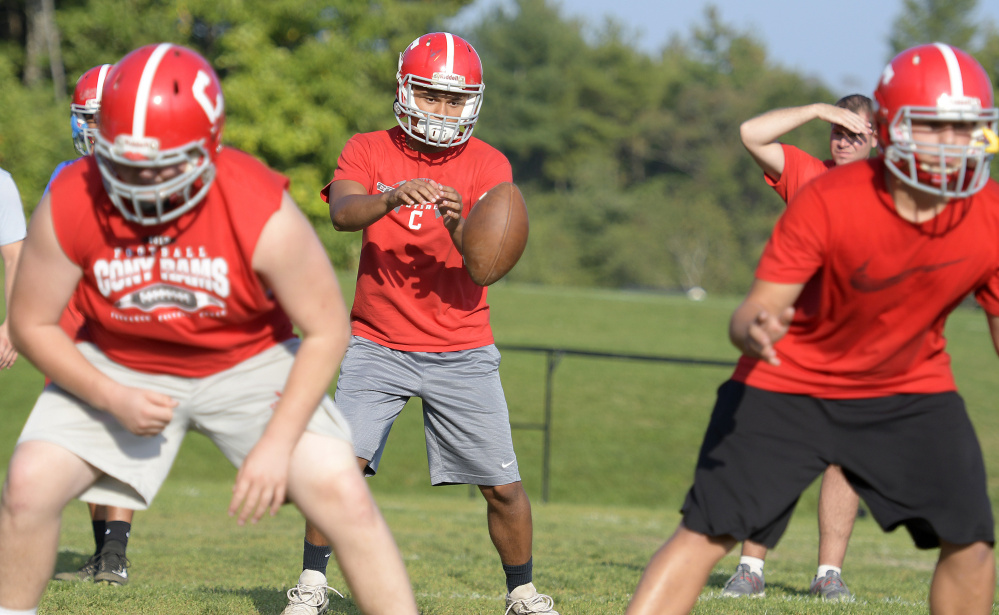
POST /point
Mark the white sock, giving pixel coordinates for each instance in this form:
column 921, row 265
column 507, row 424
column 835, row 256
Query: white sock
column 4, row 611
column 755, row 564
column 823, row 569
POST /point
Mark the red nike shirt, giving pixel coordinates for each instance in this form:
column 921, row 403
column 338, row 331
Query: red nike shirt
column 879, row 288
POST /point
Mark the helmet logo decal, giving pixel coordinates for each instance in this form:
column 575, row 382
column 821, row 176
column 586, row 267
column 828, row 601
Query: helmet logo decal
column 887, row 75
column 200, row 91
column 450, row 78
column 132, row 146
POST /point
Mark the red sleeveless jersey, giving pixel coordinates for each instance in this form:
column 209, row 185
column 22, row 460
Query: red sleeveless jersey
column 413, row 292
column 179, row 298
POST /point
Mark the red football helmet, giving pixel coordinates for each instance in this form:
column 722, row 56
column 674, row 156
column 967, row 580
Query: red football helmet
column 937, row 83
column 161, row 117
column 86, row 103
column 447, row 63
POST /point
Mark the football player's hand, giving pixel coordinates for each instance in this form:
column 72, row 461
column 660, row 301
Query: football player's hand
column 141, row 411
column 764, row 331
column 414, row 192
column 7, row 353
column 850, row 120
column 449, row 204
column 262, row 481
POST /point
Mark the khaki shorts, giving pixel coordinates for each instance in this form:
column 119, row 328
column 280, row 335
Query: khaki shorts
column 231, row 408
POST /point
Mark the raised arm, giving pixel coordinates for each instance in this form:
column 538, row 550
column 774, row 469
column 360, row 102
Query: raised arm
column 759, row 134
column 763, row 318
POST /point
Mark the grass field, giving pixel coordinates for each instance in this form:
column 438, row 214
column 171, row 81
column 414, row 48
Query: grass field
column 625, row 435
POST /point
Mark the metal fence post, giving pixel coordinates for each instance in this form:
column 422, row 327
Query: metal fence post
column 554, row 358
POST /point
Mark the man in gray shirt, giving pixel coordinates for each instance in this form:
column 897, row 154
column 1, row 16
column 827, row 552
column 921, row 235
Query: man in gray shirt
column 12, row 232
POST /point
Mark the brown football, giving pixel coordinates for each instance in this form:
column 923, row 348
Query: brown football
column 495, row 233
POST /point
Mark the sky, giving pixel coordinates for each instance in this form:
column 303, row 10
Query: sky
column 843, row 43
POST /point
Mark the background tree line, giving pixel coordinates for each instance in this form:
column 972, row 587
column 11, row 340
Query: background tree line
column 631, row 163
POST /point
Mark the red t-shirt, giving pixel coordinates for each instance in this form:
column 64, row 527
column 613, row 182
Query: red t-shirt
column 799, row 169
column 179, row 298
column 884, row 287
column 413, row 292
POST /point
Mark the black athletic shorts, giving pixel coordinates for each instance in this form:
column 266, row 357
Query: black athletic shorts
column 914, row 459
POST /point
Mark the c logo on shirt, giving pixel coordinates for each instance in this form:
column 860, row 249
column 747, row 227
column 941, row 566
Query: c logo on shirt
column 413, row 224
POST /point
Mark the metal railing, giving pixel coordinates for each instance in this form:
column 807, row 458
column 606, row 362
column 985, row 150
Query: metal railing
column 553, row 358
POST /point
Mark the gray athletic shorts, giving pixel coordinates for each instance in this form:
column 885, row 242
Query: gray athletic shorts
column 231, row 407
column 465, row 416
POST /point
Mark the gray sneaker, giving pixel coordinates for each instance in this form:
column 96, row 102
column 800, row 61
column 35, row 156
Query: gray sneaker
column 743, row 583
column 830, row 587
column 85, row 573
column 112, row 568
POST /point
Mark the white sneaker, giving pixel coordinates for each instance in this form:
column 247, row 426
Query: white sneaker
column 525, row 599
column 309, row 597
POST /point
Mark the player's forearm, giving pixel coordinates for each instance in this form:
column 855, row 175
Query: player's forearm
column 738, row 326
column 772, row 125
column 311, row 374
column 10, row 257
column 357, row 211
column 54, row 354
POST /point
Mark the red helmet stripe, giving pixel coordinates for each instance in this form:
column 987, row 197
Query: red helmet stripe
column 953, row 69
column 145, row 85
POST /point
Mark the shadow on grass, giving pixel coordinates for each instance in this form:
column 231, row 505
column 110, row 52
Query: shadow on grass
column 269, row 601
column 717, row 581
column 69, row 561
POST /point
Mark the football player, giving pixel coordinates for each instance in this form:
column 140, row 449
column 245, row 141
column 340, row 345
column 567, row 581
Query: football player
column 193, row 265
column 843, row 354
column 786, row 169
column 420, row 324
column 12, row 231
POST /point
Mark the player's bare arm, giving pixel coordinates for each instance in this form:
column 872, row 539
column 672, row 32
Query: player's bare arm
column 35, row 312
column 10, row 254
column 292, row 263
column 763, row 318
column 352, row 208
column 759, row 134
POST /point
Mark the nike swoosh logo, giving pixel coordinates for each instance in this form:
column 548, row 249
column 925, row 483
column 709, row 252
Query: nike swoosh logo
column 866, row 284
column 507, row 464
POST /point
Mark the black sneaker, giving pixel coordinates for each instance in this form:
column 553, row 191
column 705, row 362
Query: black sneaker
column 85, row 573
column 112, row 568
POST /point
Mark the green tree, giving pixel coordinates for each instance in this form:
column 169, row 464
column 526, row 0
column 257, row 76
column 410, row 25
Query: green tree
column 300, row 78
column 927, row 21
